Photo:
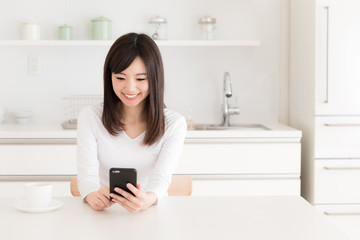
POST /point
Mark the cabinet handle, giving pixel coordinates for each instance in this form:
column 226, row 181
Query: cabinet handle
column 327, row 54
column 330, row 213
column 342, row 124
column 341, row 168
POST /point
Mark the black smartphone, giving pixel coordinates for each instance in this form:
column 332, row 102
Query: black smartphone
column 119, row 177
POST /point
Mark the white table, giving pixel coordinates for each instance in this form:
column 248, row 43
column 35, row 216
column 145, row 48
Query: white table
column 278, row 218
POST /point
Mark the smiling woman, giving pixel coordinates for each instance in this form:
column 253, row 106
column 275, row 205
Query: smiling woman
column 134, row 54
column 131, row 85
column 132, row 129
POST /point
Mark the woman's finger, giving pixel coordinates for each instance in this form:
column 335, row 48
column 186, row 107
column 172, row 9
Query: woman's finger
column 126, row 195
column 122, row 202
column 133, row 205
column 105, row 192
column 136, row 191
column 104, row 199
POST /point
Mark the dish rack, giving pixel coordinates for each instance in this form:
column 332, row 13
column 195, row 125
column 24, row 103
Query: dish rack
column 73, row 106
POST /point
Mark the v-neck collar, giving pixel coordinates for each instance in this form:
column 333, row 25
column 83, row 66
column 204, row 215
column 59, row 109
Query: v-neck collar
column 135, row 138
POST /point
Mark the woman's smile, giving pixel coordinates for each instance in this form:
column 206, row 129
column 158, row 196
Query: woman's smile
column 131, row 96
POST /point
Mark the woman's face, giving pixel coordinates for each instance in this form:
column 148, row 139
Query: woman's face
column 132, row 85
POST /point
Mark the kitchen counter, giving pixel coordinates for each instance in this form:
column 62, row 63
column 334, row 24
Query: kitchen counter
column 251, row 218
column 55, row 131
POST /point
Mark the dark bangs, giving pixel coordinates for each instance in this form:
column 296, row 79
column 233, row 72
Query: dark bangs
column 122, row 58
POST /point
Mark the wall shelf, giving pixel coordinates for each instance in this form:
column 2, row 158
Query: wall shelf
column 103, row 43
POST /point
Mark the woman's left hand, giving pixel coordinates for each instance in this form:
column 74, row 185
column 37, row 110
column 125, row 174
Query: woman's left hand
column 141, row 201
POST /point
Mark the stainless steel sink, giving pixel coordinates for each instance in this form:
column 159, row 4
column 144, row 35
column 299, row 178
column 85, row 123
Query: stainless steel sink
column 241, row 127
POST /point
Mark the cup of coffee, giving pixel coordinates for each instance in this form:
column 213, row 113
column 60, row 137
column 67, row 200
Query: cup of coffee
column 37, row 195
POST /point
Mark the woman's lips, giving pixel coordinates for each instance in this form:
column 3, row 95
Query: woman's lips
column 131, row 96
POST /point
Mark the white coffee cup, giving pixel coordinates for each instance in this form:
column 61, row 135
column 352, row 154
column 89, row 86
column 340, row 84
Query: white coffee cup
column 3, row 114
column 37, row 195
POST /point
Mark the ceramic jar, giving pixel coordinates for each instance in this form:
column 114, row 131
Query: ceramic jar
column 65, row 32
column 31, row 31
column 101, row 28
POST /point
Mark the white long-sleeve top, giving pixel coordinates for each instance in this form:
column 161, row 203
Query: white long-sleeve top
column 98, row 151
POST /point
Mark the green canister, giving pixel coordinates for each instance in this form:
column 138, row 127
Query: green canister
column 101, row 28
column 65, row 32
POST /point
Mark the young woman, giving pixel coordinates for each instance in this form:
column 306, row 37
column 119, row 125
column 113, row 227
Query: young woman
column 131, row 129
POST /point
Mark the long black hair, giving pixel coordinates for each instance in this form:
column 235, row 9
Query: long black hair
column 121, row 54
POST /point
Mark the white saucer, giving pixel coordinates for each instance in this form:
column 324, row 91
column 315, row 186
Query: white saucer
column 54, row 204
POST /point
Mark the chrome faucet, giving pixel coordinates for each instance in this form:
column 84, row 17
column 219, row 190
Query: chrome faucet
column 226, row 109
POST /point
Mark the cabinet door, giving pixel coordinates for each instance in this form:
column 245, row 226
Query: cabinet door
column 338, row 58
column 337, row 181
column 240, row 158
column 38, row 159
column 246, row 187
column 344, row 217
column 337, row 137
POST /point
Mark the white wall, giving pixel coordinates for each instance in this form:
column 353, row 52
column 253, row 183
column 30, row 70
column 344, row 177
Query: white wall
column 194, row 75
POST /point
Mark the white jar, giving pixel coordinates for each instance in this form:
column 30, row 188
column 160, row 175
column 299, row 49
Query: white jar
column 31, row 31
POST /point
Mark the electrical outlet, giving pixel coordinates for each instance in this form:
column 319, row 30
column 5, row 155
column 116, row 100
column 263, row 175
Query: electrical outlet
column 33, row 65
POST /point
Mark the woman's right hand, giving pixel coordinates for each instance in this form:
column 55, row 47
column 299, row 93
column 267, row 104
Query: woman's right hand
column 100, row 199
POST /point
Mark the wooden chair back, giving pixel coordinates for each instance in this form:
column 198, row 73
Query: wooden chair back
column 180, row 186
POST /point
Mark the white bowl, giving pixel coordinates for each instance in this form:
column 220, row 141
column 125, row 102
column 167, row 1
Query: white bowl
column 23, row 120
column 23, row 117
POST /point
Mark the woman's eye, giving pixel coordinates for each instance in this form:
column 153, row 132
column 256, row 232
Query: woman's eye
column 120, row 78
column 141, row 79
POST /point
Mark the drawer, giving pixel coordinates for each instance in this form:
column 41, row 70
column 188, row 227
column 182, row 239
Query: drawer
column 345, row 217
column 33, row 159
column 337, row 181
column 246, row 187
column 337, row 137
column 239, row 158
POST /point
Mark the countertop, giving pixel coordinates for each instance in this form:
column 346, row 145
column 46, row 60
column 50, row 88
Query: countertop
column 235, row 217
column 49, row 131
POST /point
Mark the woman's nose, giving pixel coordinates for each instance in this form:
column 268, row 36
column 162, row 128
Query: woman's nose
column 131, row 85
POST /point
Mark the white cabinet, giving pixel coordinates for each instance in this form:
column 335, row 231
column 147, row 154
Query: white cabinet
column 337, row 137
column 337, row 50
column 344, row 217
column 242, row 167
column 328, row 132
column 337, row 181
column 220, row 163
column 219, row 157
column 325, row 100
column 246, row 186
column 22, row 163
column 38, row 159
